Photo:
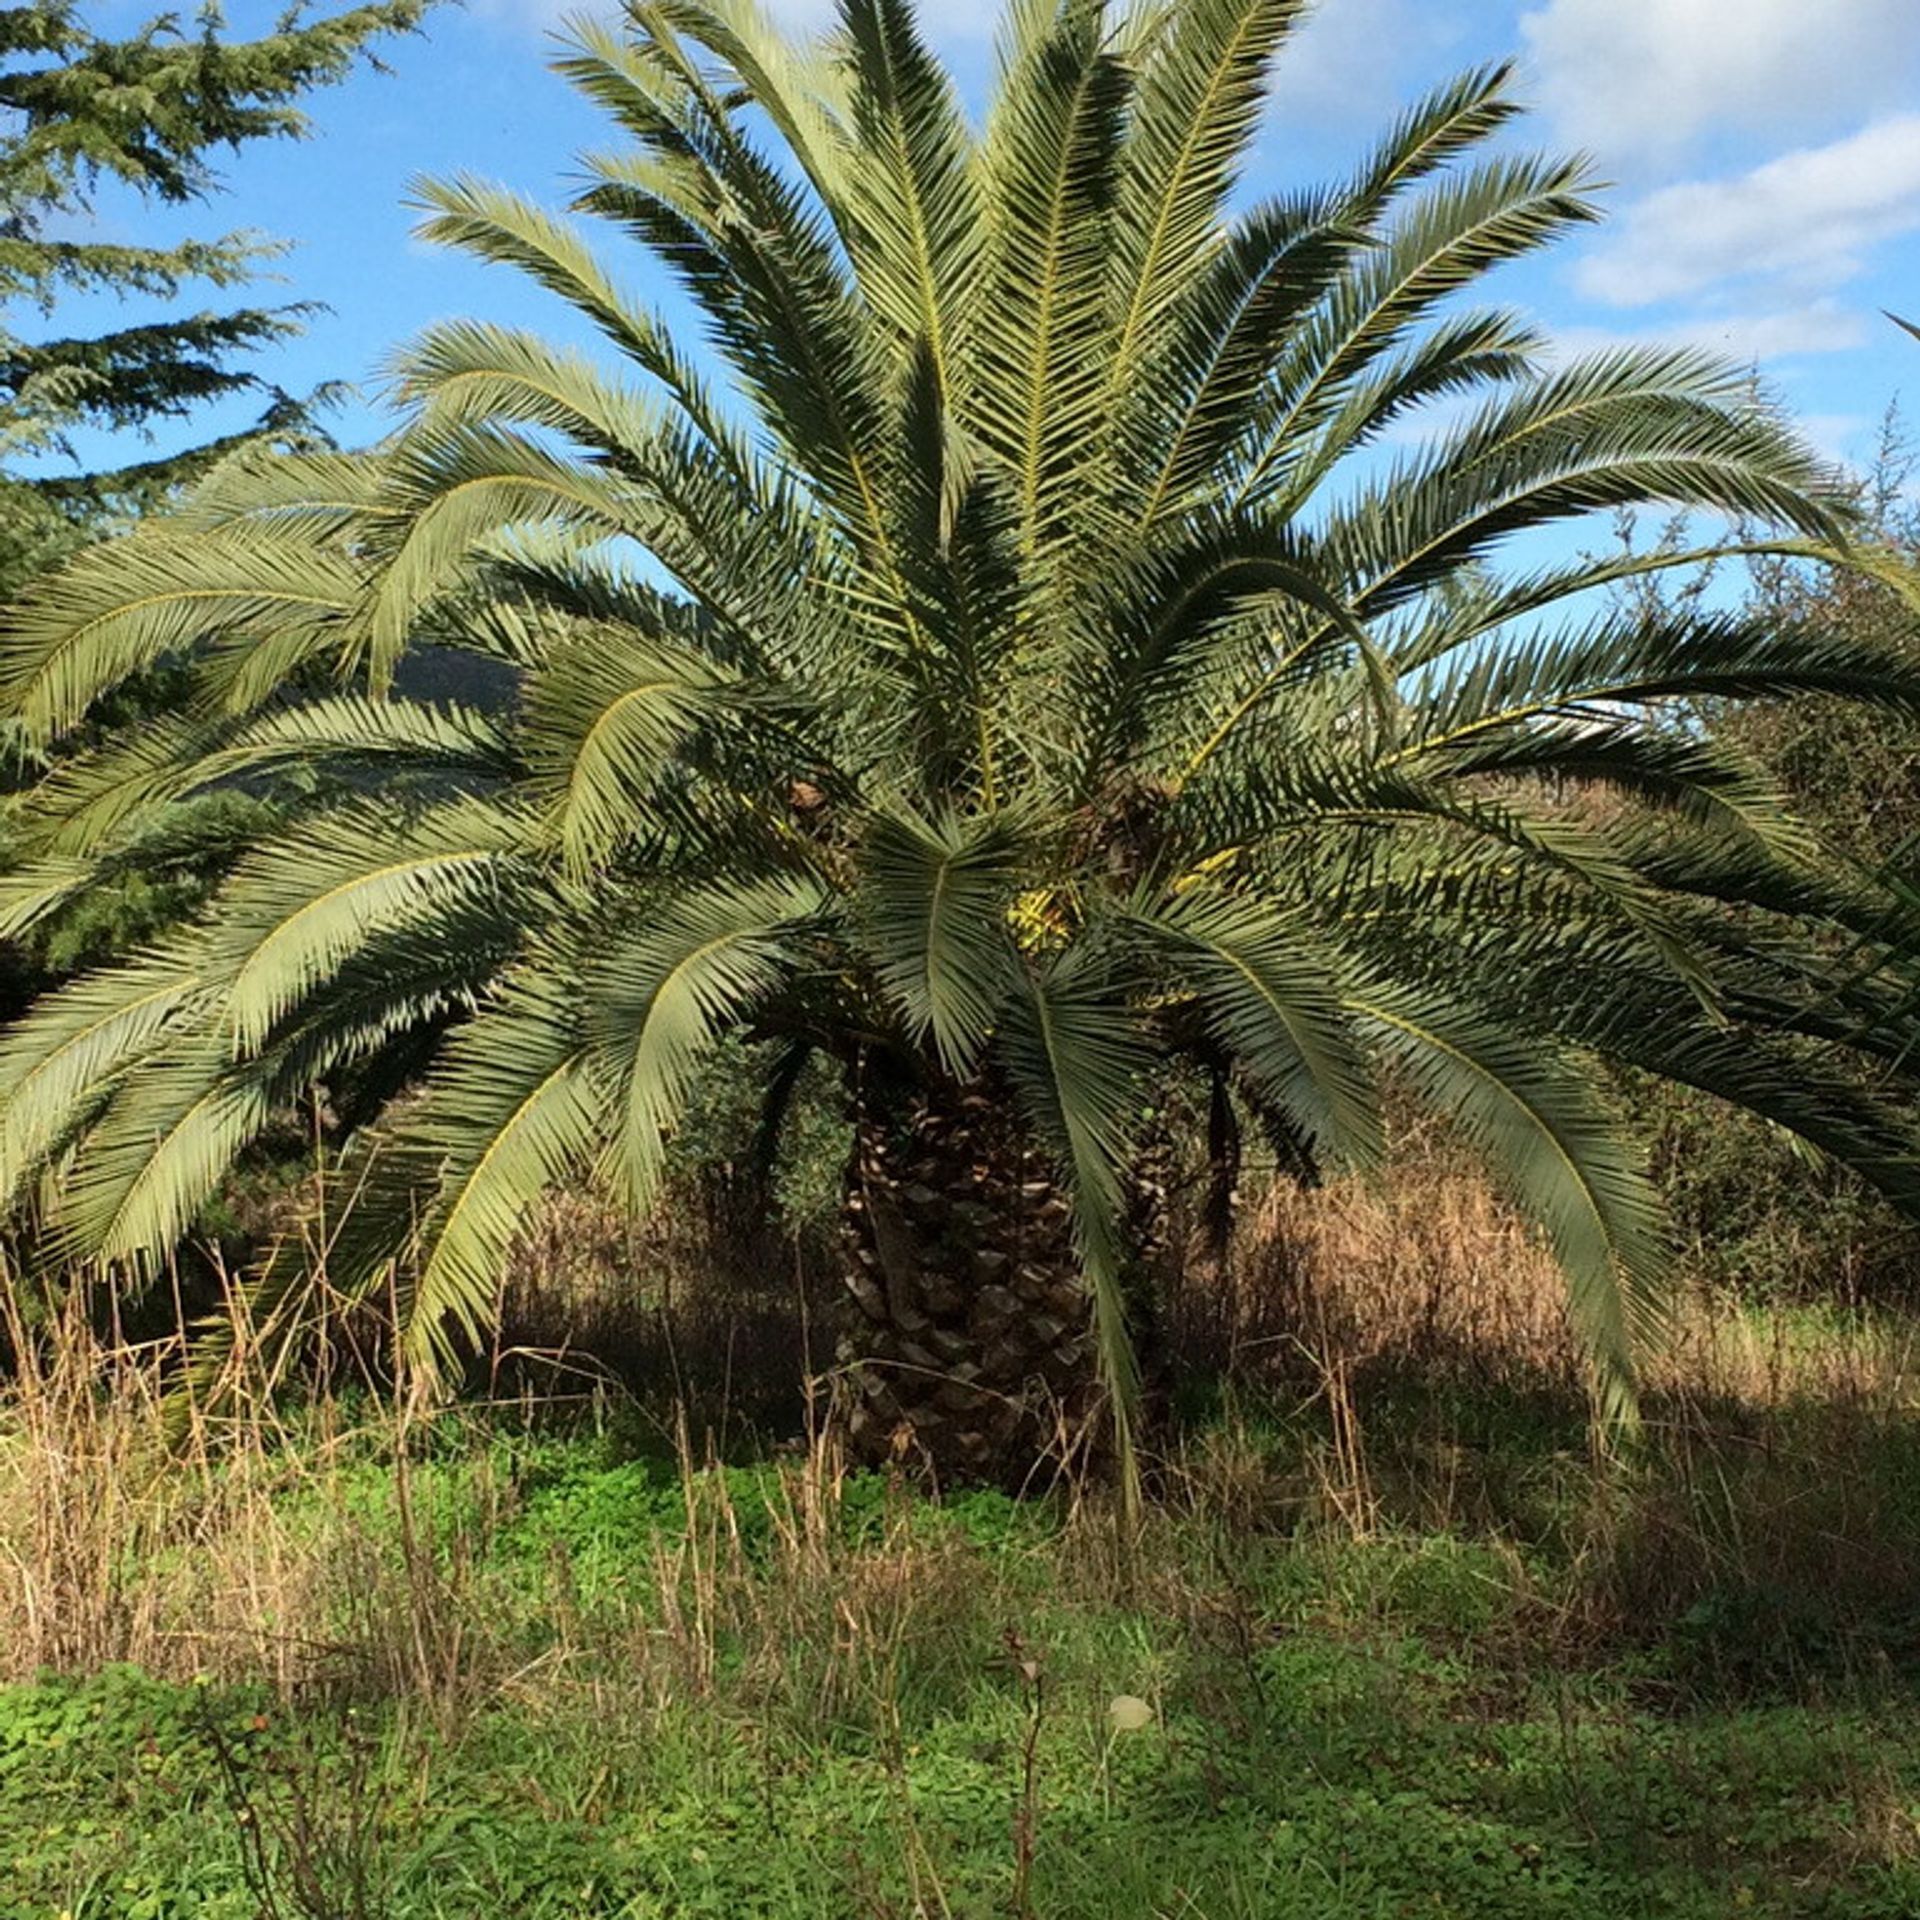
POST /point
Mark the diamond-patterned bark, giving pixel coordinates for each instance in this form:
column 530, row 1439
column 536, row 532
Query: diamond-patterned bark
column 967, row 1351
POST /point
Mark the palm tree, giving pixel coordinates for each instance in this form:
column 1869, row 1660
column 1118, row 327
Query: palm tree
column 1078, row 638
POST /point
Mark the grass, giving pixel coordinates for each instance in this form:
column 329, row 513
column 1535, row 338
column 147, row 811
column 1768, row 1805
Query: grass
column 537, row 1677
column 1338, row 1729
column 1407, row 1646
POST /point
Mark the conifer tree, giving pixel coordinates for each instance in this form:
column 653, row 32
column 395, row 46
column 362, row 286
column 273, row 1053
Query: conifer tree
column 147, row 111
column 150, row 112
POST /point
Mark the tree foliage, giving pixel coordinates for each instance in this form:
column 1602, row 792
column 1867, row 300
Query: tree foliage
column 1754, row 1210
column 1070, row 638
column 143, row 111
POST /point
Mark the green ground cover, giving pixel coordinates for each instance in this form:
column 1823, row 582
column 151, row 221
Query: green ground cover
column 610, row 1688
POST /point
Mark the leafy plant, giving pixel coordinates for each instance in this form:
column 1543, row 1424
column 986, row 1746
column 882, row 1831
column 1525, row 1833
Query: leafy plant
column 309, row 1827
column 142, row 111
column 1753, row 1207
column 1027, row 679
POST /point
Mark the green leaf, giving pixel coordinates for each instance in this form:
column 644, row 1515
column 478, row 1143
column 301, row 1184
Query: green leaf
column 1561, row 1157
column 934, row 911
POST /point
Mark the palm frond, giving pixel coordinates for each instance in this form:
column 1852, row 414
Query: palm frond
column 1560, row 1156
column 88, row 798
column 1078, row 1062
column 608, row 716
column 119, row 610
column 1051, row 166
column 60, row 1059
column 1456, row 231
column 662, row 997
column 510, row 1111
column 1270, row 992
column 495, row 225
column 293, row 913
column 1200, row 91
column 934, row 908
column 916, row 231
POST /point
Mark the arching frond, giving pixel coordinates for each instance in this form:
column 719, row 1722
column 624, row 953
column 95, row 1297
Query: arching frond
column 1078, row 1062
column 88, row 797
column 468, row 487
column 510, row 1111
column 1559, row 1155
column 661, row 997
column 935, row 909
column 1201, row 88
column 1458, row 230
column 157, row 1156
column 59, row 1060
column 119, row 610
column 292, row 914
column 499, row 226
column 1270, row 992
column 607, row 717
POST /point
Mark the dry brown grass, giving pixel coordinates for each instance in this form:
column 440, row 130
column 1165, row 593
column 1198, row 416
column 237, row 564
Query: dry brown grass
column 138, row 1527
column 115, row 1546
column 1427, row 1273
column 363, row 1556
column 1425, row 1265
column 1389, row 1324
column 1423, row 1271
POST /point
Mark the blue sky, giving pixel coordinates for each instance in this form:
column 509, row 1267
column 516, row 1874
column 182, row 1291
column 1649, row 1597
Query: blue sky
column 1763, row 155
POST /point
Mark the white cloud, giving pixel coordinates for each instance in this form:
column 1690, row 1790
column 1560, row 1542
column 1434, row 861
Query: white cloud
column 1820, row 326
column 1841, row 438
column 1638, row 81
column 1359, row 59
column 1805, row 221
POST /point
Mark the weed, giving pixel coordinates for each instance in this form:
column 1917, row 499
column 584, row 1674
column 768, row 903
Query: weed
column 308, row 1821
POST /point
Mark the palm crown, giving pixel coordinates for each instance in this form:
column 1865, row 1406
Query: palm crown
column 1045, row 658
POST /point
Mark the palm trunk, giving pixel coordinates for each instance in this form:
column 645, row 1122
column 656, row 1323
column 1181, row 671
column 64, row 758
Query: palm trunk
column 968, row 1350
